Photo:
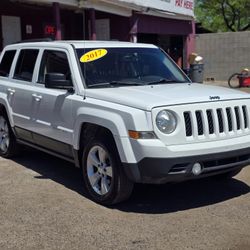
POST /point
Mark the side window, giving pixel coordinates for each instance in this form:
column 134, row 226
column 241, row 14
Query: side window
column 6, row 62
column 54, row 62
column 26, row 64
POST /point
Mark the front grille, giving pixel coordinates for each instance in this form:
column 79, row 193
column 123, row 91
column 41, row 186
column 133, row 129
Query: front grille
column 244, row 109
column 216, row 121
column 188, row 124
column 229, row 119
column 237, row 115
column 220, row 120
column 210, row 121
column 199, row 122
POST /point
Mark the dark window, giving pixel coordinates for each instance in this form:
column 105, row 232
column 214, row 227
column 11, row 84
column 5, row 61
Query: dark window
column 128, row 66
column 26, row 64
column 6, row 62
column 54, row 62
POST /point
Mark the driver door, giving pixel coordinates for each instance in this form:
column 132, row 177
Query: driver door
column 53, row 123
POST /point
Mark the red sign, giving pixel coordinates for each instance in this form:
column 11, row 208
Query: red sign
column 185, row 4
column 49, row 30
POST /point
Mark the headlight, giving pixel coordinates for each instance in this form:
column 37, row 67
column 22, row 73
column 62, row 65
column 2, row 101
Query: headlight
column 166, row 121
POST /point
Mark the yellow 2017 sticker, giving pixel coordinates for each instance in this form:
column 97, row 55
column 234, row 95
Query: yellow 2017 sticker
column 93, row 55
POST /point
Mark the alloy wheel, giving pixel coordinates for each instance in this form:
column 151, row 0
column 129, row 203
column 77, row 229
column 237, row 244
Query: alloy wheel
column 99, row 170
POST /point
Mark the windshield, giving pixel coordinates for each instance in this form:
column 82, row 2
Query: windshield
column 128, row 66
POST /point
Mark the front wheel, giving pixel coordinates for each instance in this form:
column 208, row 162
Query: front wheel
column 104, row 178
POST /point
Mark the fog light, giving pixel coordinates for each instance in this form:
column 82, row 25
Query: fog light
column 197, row 168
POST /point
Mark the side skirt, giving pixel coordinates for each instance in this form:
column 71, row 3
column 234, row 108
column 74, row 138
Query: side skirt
column 46, row 150
column 47, row 145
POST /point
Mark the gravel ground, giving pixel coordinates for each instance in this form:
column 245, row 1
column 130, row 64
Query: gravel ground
column 42, row 206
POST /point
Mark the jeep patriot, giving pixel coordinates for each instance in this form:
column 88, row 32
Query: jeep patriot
column 122, row 112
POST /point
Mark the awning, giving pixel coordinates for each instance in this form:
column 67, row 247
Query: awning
column 67, row 3
column 175, row 9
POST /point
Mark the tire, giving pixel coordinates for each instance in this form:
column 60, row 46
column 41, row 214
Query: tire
column 8, row 145
column 227, row 175
column 233, row 81
column 104, row 178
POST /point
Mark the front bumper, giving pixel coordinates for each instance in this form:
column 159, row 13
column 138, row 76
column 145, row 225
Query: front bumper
column 162, row 170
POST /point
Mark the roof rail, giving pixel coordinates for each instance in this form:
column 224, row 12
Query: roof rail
column 36, row 40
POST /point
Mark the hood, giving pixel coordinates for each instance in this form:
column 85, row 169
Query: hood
column 151, row 96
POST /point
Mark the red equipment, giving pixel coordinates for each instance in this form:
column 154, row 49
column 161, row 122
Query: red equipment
column 240, row 80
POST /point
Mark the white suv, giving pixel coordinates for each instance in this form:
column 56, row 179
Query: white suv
column 123, row 112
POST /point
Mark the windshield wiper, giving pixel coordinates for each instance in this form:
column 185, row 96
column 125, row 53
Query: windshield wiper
column 131, row 83
column 99, row 85
column 163, row 80
column 114, row 83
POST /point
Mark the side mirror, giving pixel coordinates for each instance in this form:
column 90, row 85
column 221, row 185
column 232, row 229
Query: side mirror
column 57, row 81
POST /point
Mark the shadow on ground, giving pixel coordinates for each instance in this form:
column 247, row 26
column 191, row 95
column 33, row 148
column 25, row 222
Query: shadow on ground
column 151, row 199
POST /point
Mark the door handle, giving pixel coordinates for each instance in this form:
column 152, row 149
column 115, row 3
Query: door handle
column 11, row 91
column 37, row 97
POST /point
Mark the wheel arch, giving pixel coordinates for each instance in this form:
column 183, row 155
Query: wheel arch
column 90, row 131
column 116, row 122
column 4, row 108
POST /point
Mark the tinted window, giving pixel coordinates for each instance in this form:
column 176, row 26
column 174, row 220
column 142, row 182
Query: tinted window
column 54, row 62
column 128, row 66
column 26, row 64
column 6, row 62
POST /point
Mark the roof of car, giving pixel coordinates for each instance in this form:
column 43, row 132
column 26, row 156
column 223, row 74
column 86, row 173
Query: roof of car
column 98, row 44
column 83, row 44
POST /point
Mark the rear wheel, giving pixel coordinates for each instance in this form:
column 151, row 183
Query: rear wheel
column 104, row 178
column 8, row 144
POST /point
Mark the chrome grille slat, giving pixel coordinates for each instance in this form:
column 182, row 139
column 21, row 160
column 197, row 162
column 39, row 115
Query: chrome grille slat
column 216, row 121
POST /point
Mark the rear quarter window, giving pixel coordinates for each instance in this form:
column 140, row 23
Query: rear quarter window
column 26, row 64
column 6, row 62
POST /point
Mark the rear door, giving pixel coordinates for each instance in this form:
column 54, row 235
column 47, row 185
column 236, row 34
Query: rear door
column 20, row 93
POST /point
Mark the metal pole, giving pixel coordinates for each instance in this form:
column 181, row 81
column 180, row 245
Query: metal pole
column 92, row 25
column 83, row 24
column 57, row 18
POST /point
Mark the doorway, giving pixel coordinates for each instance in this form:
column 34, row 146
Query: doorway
column 172, row 44
column 11, row 29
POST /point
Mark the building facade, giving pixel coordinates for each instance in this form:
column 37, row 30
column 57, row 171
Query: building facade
column 166, row 23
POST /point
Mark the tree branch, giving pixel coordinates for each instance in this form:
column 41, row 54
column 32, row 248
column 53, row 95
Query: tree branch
column 246, row 27
column 228, row 24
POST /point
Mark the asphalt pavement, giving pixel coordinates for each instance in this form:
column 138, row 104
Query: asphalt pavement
column 43, row 206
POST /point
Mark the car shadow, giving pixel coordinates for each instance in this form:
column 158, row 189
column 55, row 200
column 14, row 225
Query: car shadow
column 150, row 199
